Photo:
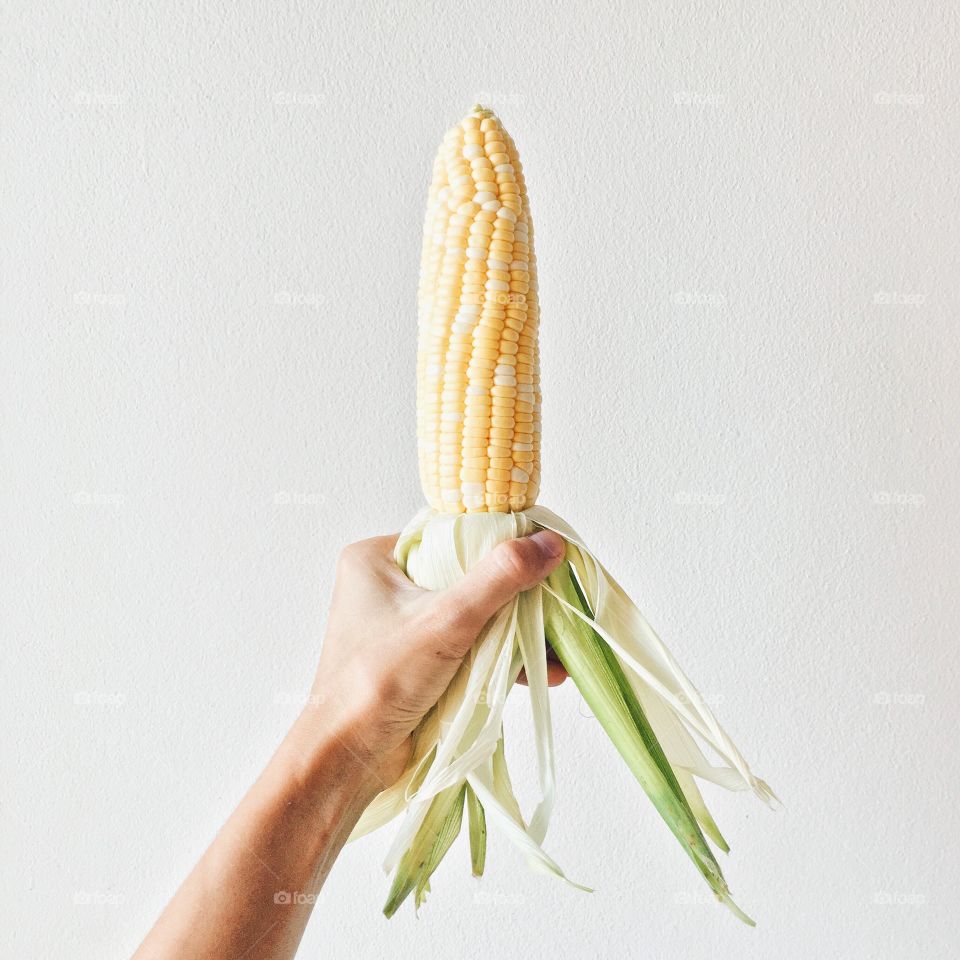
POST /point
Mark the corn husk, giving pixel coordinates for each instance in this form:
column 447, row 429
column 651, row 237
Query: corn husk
column 645, row 703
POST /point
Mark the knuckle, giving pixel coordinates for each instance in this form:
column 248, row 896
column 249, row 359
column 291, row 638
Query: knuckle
column 513, row 558
column 443, row 617
column 446, row 624
column 352, row 556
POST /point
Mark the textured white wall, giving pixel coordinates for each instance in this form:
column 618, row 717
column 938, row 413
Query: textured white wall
column 747, row 226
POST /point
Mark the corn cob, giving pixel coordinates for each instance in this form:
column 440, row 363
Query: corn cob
column 478, row 373
column 478, row 431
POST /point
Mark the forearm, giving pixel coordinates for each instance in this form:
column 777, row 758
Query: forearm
column 390, row 651
column 252, row 892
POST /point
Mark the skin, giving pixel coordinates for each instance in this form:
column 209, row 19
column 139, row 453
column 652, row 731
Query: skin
column 390, row 651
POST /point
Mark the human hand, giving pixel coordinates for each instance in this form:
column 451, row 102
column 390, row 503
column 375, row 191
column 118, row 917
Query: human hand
column 392, row 648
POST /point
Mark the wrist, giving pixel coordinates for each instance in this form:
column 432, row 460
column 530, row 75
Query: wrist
column 327, row 749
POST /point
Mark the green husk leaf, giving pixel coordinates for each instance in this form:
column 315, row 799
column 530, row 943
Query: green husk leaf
column 430, row 844
column 502, row 782
column 692, row 792
column 478, row 832
column 597, row 673
column 636, row 644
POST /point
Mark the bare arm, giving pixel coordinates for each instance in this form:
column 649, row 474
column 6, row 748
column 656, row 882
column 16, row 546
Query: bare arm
column 390, row 651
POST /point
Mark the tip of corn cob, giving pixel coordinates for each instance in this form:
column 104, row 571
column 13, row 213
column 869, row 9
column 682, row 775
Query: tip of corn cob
column 478, row 379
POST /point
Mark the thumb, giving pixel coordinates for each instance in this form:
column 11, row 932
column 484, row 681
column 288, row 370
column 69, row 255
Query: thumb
column 511, row 567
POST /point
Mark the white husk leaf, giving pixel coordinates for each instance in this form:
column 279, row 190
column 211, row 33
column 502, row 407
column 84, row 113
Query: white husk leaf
column 644, row 657
column 534, row 652
column 461, row 739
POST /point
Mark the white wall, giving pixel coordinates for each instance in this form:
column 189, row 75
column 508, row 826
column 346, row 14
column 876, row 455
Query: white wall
column 747, row 227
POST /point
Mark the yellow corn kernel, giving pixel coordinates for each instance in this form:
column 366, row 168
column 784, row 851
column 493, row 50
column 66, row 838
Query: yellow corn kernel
column 478, row 403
